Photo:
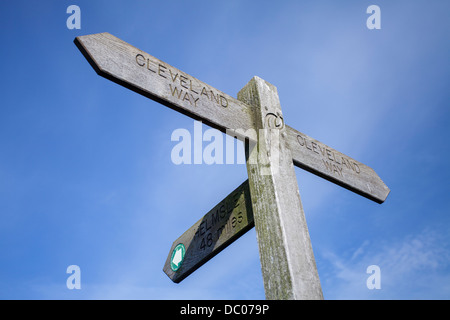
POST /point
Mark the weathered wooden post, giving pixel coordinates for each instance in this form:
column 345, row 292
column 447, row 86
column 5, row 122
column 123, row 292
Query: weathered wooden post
column 287, row 259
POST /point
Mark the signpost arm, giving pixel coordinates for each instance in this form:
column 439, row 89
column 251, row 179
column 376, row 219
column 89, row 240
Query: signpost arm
column 287, row 260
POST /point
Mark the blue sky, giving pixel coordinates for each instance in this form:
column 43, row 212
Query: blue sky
column 86, row 176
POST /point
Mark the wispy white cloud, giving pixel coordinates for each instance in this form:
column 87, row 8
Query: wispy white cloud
column 411, row 268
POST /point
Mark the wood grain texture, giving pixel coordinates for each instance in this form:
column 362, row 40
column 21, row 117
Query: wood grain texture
column 287, row 260
column 220, row 227
column 137, row 70
column 332, row 165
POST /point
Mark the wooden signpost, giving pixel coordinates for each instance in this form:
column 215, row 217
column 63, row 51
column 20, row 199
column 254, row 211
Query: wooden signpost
column 269, row 200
